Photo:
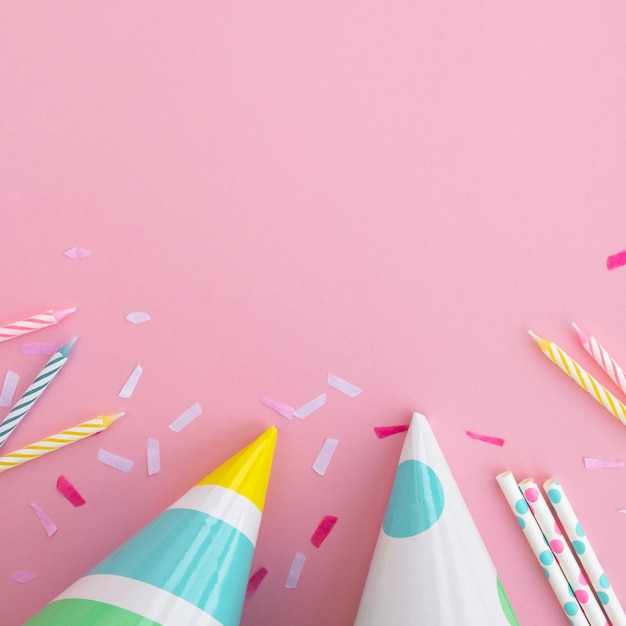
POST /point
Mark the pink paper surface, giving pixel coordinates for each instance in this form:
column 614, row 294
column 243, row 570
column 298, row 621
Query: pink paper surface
column 394, row 192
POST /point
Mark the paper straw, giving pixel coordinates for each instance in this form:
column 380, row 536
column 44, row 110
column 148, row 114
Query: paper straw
column 583, row 378
column 562, row 551
column 37, row 387
column 31, row 324
column 542, row 552
column 54, row 442
column 586, row 555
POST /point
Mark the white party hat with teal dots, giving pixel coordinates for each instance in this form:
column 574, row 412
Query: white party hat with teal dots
column 430, row 566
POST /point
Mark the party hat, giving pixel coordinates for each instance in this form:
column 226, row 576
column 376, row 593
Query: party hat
column 430, row 566
column 189, row 566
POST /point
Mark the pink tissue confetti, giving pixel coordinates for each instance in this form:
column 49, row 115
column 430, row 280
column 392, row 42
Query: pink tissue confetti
column 69, row 492
column 11, row 379
column 153, row 457
column 306, row 409
column 77, row 253
column 616, row 260
column 137, row 317
column 113, row 460
column 48, row 524
column 496, row 441
column 295, row 570
column 255, row 580
column 326, row 454
column 186, row 417
column 23, row 575
column 35, row 349
column 323, row 529
column 591, row 463
column 131, row 383
column 283, row 409
column 343, row 385
column 387, row 431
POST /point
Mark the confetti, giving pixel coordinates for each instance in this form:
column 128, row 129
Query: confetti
column 325, row 455
column 323, row 529
column 186, row 417
column 137, row 317
column 153, row 457
column 36, row 349
column 591, row 463
column 48, row 524
column 283, row 409
column 306, row 409
column 131, row 383
column 77, row 253
column 11, row 380
column 295, row 570
column 387, row 431
column 113, row 460
column 255, row 580
column 616, row 260
column 23, row 575
column 496, row 441
column 344, row 386
column 69, row 492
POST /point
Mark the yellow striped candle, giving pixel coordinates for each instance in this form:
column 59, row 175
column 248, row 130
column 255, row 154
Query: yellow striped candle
column 60, row 440
column 582, row 377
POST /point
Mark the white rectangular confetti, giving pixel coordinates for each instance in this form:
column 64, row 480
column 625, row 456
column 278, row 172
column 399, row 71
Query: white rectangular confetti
column 306, row 409
column 295, row 570
column 131, row 383
column 153, row 457
column 344, row 386
column 113, row 460
column 186, row 417
column 11, row 380
column 325, row 455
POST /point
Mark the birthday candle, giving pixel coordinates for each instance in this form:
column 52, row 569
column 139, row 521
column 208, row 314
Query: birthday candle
column 37, row 387
column 35, row 322
column 54, row 442
column 582, row 377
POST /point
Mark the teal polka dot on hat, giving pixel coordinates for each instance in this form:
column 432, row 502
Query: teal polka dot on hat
column 604, row 581
column 521, row 506
column 571, row 608
column 554, row 495
column 546, row 557
column 579, row 530
column 579, row 546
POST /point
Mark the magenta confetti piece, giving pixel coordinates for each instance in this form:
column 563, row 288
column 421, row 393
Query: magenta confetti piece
column 344, row 386
column 306, row 409
column 23, row 575
column 77, row 253
column 187, row 416
column 138, row 317
column 35, row 349
column 496, row 441
column 153, row 457
column 387, row 431
column 131, row 383
column 283, row 409
column 113, row 460
column 323, row 529
column 295, row 570
column 11, row 380
column 69, row 492
column 255, row 580
column 591, row 463
column 616, row 260
column 48, row 524
column 326, row 454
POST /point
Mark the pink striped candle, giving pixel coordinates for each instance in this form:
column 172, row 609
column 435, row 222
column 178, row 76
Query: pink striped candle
column 31, row 324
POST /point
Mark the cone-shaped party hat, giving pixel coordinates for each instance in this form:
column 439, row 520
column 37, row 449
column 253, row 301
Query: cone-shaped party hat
column 430, row 565
column 189, row 566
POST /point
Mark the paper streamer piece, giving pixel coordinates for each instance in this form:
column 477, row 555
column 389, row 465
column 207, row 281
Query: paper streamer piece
column 77, row 253
column 153, row 457
column 616, row 260
column 283, row 409
column 255, row 580
column 306, row 409
column 113, row 460
column 11, row 380
column 48, row 524
column 496, row 441
column 325, row 455
column 69, row 492
column 138, row 317
column 295, row 570
column 387, row 431
column 591, row 463
column 131, row 383
column 323, row 529
column 187, row 416
column 343, row 385
column 36, row 349
column 23, row 575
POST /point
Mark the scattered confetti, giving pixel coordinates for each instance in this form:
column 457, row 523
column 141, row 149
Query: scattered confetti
column 621, row 511
column 36, row 349
column 255, row 580
column 325, row 455
column 186, row 417
column 137, row 317
column 48, row 524
column 154, row 457
column 283, row 409
column 23, row 575
column 295, row 570
column 131, row 383
column 77, row 253
column 113, row 460
column 591, row 463
column 69, row 492
column 11, row 379
column 306, row 409
column 323, row 529
column 387, row 431
column 616, row 260
column 344, row 386
column 496, row 441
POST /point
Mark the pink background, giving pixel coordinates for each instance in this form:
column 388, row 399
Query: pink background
column 393, row 192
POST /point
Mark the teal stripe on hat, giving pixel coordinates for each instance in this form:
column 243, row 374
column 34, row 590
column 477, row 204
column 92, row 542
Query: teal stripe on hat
column 192, row 555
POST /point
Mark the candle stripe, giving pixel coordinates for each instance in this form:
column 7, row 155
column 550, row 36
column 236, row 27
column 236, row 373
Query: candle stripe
column 35, row 322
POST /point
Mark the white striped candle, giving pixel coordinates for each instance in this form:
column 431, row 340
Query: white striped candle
column 35, row 322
